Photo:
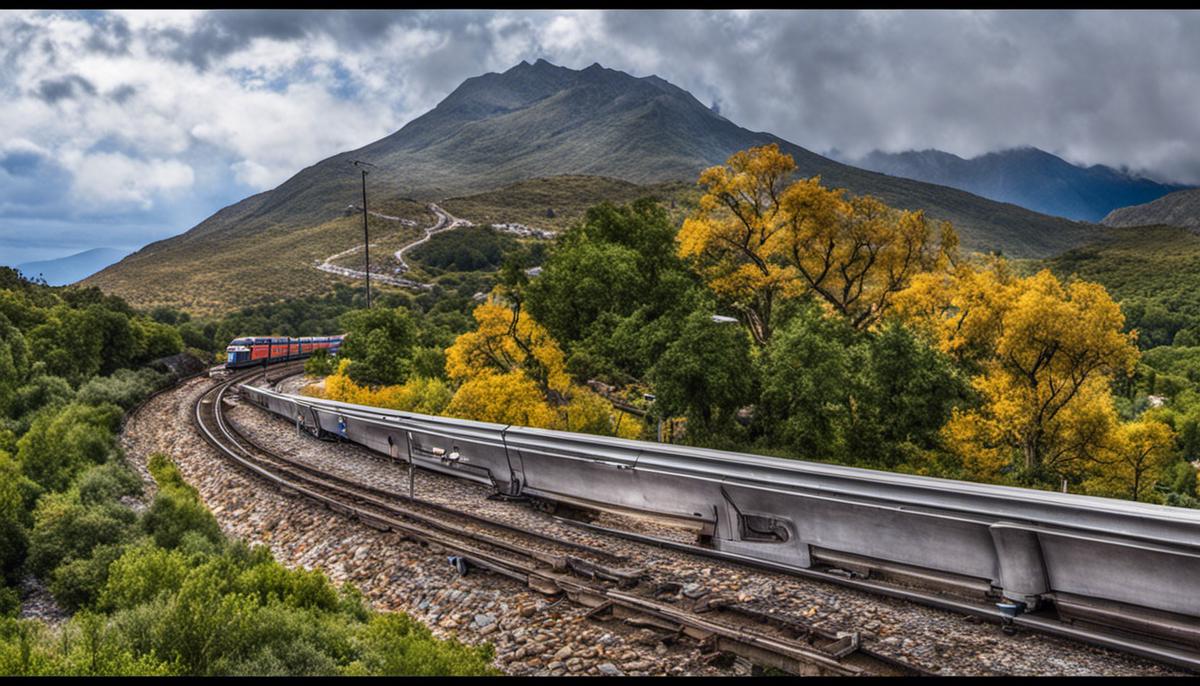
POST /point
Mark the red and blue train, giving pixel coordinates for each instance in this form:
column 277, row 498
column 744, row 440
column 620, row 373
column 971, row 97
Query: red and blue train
column 252, row 350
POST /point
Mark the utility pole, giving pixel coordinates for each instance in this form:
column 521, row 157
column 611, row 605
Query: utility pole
column 366, row 236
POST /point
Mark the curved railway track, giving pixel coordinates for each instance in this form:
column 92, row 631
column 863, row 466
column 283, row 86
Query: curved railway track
column 588, row 575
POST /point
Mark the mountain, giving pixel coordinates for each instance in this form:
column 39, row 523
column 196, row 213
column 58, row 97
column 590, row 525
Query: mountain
column 532, row 121
column 65, row 270
column 1028, row 177
column 1181, row 208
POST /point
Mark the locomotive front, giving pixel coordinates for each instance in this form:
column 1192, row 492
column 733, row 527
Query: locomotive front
column 237, row 353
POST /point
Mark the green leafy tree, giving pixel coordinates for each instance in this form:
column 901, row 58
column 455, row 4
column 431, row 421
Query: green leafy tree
column 379, row 343
column 706, row 375
column 613, row 290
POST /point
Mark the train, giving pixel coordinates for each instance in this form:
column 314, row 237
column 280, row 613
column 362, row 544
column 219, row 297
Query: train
column 257, row 350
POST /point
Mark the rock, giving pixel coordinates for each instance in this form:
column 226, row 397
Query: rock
column 609, row 669
column 637, row 665
column 694, row 591
column 484, row 620
column 563, row 653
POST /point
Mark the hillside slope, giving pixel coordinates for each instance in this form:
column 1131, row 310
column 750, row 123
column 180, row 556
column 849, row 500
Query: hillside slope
column 1154, row 271
column 1181, row 208
column 532, row 121
column 1028, row 177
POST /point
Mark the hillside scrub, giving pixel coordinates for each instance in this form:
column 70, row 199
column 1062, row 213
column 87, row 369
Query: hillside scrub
column 163, row 592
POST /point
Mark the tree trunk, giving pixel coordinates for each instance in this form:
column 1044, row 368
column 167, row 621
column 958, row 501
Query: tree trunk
column 1030, row 449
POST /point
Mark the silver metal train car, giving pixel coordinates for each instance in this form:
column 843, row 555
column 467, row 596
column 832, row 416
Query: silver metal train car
column 1109, row 557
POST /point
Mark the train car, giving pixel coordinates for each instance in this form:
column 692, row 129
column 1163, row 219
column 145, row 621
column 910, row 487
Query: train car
column 252, row 350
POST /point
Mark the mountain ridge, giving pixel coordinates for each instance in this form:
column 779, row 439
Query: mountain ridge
column 1181, row 208
column 1026, row 176
column 541, row 120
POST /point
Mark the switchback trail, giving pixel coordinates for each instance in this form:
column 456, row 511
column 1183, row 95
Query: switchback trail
column 445, row 222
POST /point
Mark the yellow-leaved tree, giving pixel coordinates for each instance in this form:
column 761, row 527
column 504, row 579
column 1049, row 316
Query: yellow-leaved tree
column 756, row 238
column 511, row 371
column 1045, row 354
column 1135, row 460
column 418, row 394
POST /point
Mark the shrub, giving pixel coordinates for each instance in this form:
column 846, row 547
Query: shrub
column 125, row 387
column 320, row 363
column 397, row 645
column 65, row 529
column 108, row 483
column 10, row 602
column 62, row 443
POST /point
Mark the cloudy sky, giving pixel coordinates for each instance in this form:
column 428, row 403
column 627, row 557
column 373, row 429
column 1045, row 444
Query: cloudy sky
column 118, row 128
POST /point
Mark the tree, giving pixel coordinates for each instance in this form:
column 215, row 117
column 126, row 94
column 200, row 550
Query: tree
column 12, row 510
column 870, row 398
column 757, row 239
column 1138, row 455
column 1045, row 353
column 510, row 370
column 379, row 344
column 60, row 444
column 507, row 340
column 706, row 374
column 613, row 291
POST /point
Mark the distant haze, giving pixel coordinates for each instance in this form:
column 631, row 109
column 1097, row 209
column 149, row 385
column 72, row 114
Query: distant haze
column 67, row 270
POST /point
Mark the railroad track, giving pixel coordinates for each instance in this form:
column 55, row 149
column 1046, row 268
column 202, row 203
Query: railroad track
column 587, row 575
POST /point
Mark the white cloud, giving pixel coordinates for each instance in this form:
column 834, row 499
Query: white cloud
column 113, row 179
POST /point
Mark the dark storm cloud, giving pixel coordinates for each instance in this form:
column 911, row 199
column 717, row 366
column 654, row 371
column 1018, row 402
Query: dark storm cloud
column 72, row 86
column 110, row 34
column 1097, row 87
column 221, row 32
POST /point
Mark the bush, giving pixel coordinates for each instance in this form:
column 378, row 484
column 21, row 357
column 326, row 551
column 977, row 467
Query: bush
column 62, row 443
column 125, row 387
column 397, row 645
column 10, row 602
column 65, row 530
column 108, row 482
column 78, row 583
column 174, row 514
column 142, row 574
column 320, row 363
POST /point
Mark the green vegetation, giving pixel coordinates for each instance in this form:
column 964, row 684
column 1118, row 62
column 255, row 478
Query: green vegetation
column 559, row 202
column 469, row 249
column 1154, row 271
column 859, row 335
column 379, row 341
column 163, row 592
